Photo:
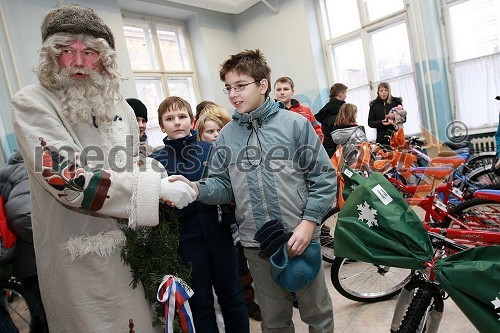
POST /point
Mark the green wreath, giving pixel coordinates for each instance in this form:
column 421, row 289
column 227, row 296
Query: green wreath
column 151, row 253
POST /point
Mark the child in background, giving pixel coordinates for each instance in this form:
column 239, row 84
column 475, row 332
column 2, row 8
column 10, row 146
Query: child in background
column 213, row 118
column 204, row 244
column 347, row 132
column 284, row 91
column 199, row 110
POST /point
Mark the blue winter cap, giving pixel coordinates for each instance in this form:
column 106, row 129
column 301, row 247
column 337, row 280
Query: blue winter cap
column 296, row 273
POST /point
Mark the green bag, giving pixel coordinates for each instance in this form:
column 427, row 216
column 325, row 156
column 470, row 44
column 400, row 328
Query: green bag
column 376, row 225
column 471, row 278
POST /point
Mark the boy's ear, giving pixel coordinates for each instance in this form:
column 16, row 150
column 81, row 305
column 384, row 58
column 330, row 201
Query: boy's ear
column 264, row 85
column 162, row 129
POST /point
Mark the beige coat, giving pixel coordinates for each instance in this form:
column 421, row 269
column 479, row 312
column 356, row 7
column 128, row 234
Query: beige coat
column 84, row 284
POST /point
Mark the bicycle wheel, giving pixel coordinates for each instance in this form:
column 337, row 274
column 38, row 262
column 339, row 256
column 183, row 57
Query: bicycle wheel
column 415, row 317
column 481, row 160
column 484, row 175
column 16, row 304
column 366, row 282
column 477, row 214
column 326, row 236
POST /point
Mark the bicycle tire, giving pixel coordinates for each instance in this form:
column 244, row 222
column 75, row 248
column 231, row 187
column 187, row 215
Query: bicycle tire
column 415, row 316
column 481, row 160
column 326, row 235
column 20, row 311
column 365, row 282
column 477, row 214
column 484, row 175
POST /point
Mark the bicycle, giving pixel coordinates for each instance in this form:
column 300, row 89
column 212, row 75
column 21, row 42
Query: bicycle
column 386, row 232
column 17, row 304
column 420, row 305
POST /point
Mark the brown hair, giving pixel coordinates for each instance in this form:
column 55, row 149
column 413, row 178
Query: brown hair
column 174, row 103
column 336, row 89
column 249, row 62
column 285, row 79
column 347, row 115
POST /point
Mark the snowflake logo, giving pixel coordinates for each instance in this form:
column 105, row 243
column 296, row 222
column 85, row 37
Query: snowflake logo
column 496, row 304
column 368, row 214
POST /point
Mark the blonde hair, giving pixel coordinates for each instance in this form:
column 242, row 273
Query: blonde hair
column 347, row 115
column 213, row 112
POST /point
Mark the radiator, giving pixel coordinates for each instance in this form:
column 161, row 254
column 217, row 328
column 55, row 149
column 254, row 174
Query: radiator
column 483, row 144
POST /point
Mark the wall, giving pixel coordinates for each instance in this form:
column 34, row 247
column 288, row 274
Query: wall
column 291, row 44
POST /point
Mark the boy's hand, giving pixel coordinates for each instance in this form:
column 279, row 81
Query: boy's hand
column 301, row 238
column 178, row 194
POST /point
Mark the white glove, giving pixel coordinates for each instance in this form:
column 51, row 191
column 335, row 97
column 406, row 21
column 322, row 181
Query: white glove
column 179, row 192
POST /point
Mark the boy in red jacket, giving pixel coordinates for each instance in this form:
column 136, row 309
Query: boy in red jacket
column 284, row 90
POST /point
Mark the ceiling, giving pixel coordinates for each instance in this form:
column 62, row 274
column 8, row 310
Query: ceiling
column 223, row 6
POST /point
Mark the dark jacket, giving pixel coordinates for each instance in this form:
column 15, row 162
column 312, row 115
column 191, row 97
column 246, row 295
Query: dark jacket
column 378, row 110
column 15, row 188
column 198, row 222
column 326, row 116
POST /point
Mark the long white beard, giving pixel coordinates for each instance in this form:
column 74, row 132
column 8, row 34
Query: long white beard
column 91, row 101
column 86, row 100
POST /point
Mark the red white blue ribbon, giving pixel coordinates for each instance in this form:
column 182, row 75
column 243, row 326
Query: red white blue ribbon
column 174, row 292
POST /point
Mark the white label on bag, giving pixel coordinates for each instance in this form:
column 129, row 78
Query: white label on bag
column 348, row 173
column 382, row 194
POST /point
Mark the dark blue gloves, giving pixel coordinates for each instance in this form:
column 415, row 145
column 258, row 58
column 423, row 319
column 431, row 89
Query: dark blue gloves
column 271, row 236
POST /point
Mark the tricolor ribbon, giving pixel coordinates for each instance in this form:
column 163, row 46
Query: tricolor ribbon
column 174, row 292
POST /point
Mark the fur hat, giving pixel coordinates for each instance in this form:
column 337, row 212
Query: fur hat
column 296, row 273
column 140, row 109
column 76, row 19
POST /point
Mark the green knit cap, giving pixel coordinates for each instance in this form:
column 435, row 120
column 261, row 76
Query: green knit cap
column 76, row 19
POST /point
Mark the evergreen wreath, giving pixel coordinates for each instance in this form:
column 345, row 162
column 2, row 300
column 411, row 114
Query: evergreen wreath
column 151, row 253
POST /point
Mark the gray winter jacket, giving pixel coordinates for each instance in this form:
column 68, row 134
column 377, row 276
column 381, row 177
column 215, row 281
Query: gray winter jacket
column 15, row 188
column 273, row 164
column 349, row 137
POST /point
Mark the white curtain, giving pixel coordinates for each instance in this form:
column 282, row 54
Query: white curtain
column 476, row 83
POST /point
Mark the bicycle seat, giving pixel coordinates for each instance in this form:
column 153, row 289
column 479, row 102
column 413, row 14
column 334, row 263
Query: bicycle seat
column 455, row 161
column 456, row 145
column 440, row 172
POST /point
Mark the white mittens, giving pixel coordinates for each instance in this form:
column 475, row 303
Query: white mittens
column 179, row 192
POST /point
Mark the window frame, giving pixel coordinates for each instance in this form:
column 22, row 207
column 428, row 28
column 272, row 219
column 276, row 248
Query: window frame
column 162, row 73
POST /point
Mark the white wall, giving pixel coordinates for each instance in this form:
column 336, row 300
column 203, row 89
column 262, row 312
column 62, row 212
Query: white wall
column 291, row 42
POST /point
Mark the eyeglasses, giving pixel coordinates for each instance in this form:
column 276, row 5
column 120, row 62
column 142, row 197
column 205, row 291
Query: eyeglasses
column 237, row 87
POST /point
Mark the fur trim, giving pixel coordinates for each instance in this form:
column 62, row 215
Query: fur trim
column 75, row 19
column 103, row 244
column 131, row 207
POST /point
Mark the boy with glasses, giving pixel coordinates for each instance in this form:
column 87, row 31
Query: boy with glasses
column 270, row 161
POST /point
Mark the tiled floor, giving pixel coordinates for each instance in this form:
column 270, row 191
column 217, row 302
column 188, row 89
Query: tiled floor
column 354, row 317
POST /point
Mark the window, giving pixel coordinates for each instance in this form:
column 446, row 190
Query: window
column 161, row 61
column 367, row 42
column 473, row 28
